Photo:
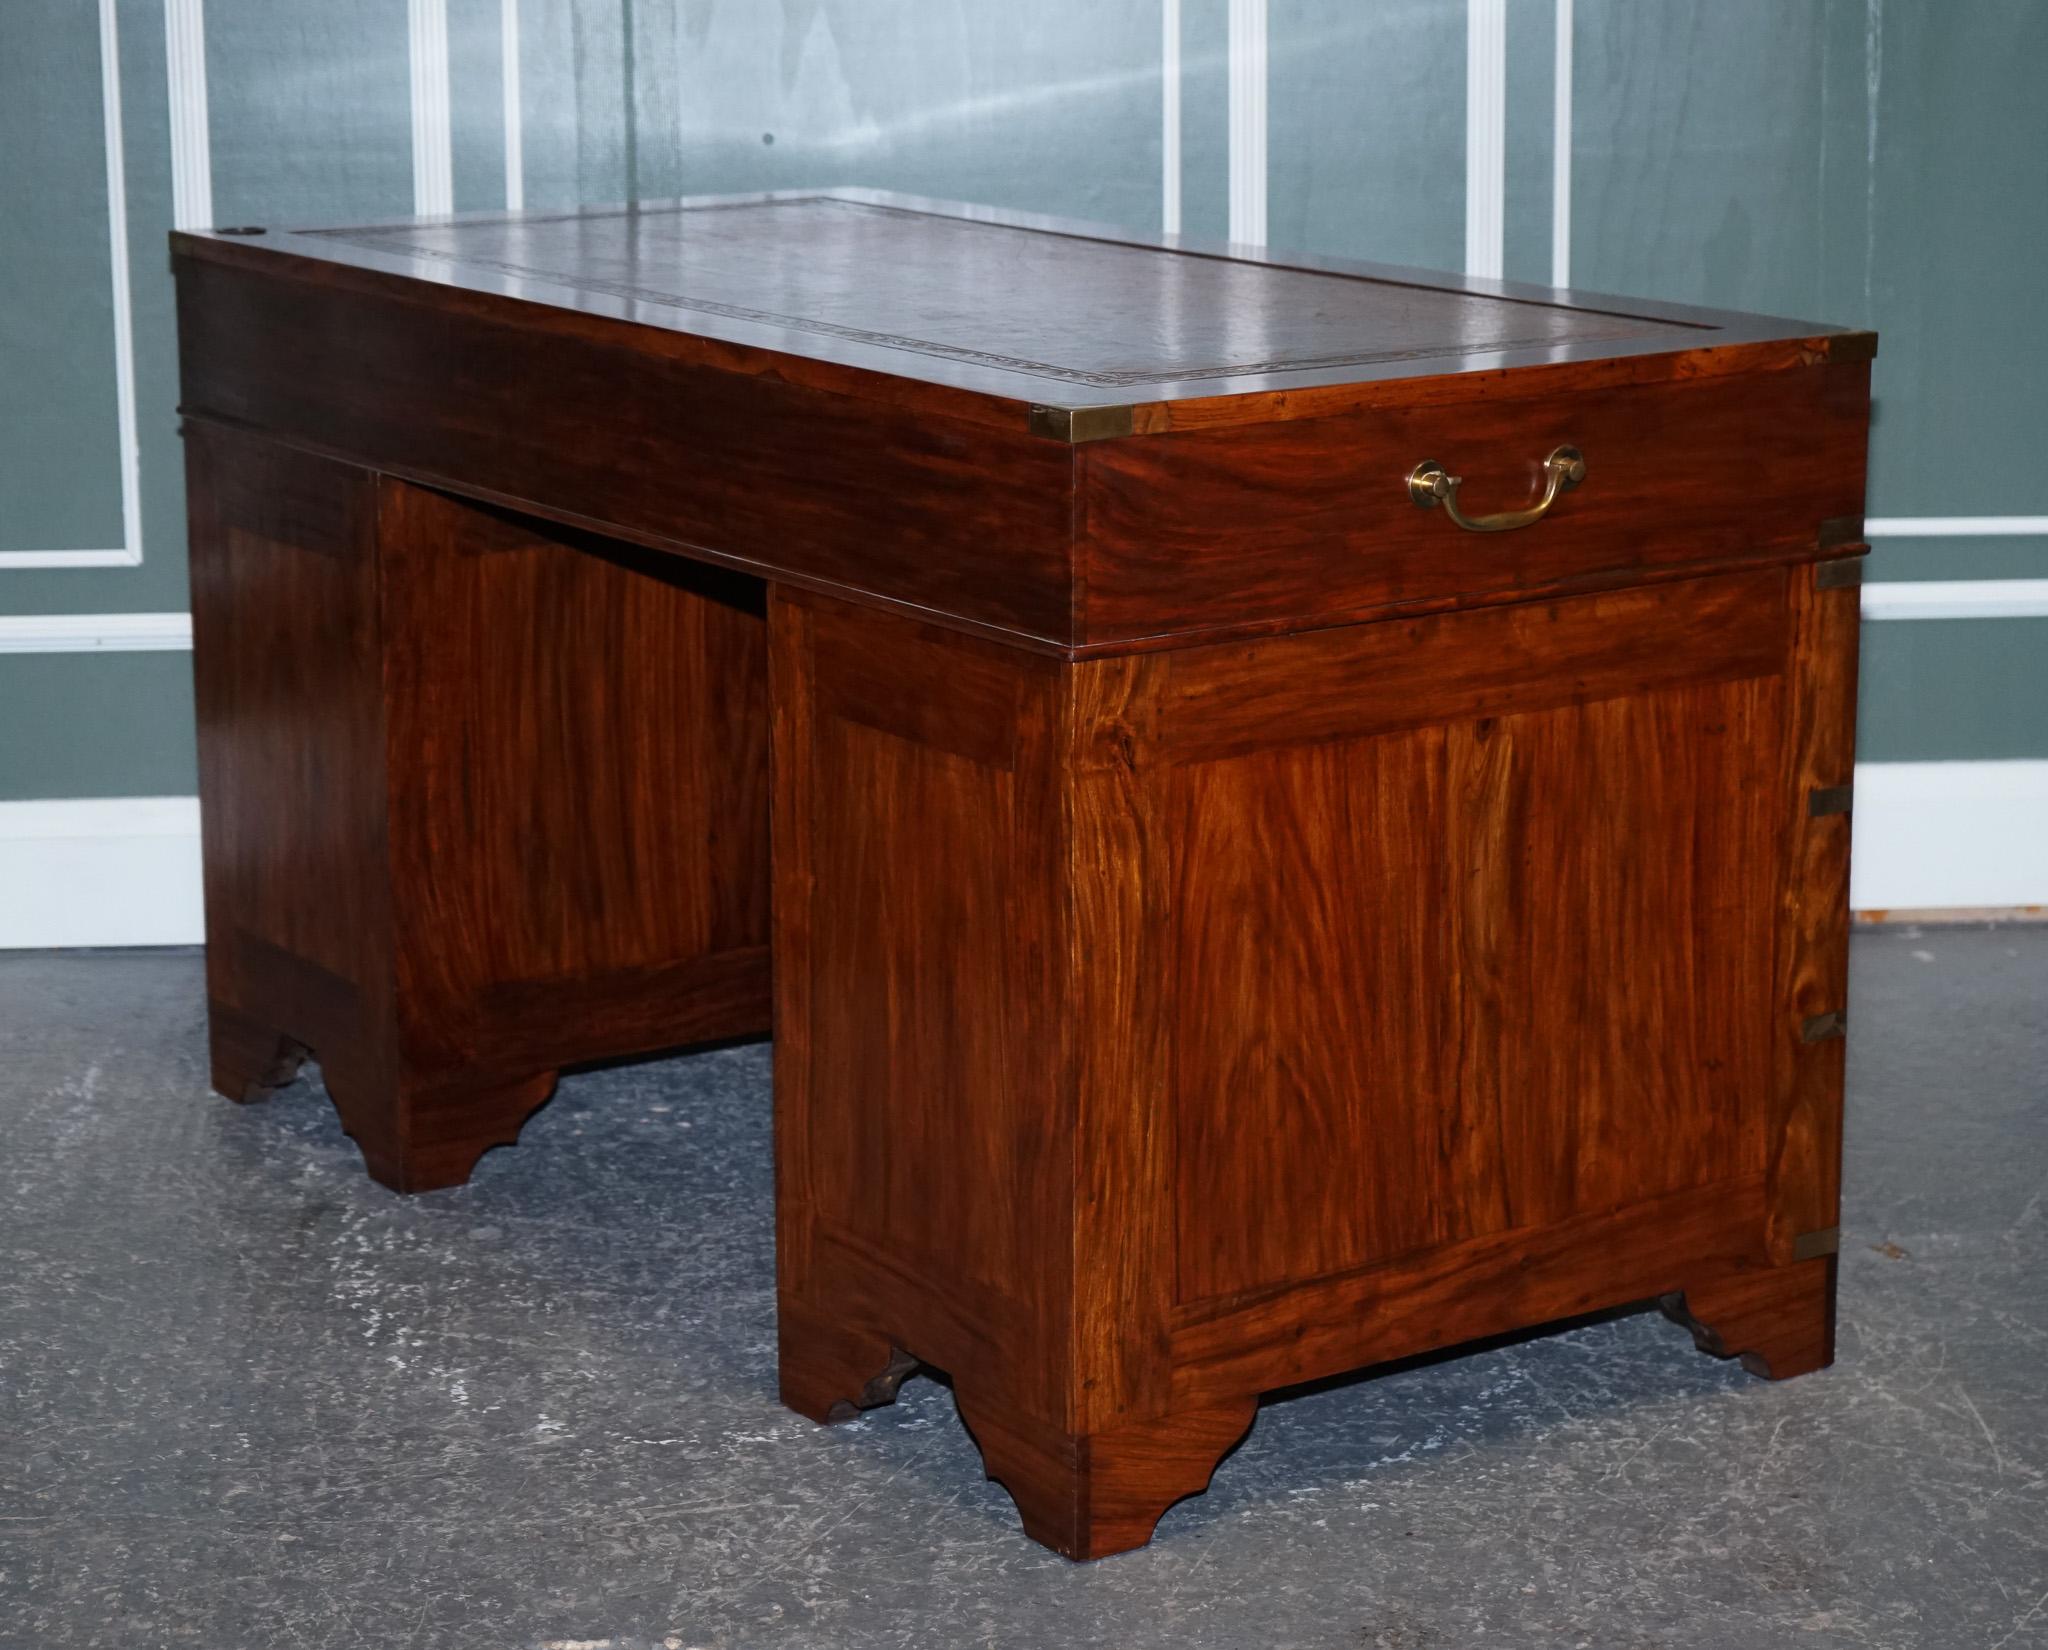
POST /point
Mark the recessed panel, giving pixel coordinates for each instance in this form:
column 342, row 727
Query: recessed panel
column 1472, row 978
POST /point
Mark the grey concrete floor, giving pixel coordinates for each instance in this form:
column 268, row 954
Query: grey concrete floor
column 247, row 1398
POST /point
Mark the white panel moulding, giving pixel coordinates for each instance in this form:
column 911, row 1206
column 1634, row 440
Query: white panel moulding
column 1957, row 599
column 1955, row 527
column 515, row 119
column 1169, row 116
column 1248, row 122
column 130, row 552
column 433, row 142
column 1561, row 152
column 1486, row 149
column 95, row 632
column 191, row 138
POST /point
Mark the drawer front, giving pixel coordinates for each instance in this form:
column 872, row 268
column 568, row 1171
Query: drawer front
column 1283, row 525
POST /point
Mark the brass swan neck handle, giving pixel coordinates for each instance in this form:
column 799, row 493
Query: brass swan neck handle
column 1429, row 484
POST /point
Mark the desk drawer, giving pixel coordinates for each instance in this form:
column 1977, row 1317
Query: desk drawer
column 1292, row 524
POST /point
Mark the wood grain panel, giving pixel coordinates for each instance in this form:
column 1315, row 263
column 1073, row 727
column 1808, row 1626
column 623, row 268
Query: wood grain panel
column 920, row 854
column 1615, row 860
column 482, row 799
column 286, row 643
column 1350, row 683
column 1462, row 1291
column 746, row 470
column 583, row 733
column 1312, row 1067
column 921, row 969
column 1472, row 978
column 1237, row 528
column 1804, row 1138
column 1118, row 856
column 1377, row 989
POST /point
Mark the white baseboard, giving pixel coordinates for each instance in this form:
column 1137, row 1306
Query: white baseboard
column 1929, row 836
column 118, row 871
column 1938, row 835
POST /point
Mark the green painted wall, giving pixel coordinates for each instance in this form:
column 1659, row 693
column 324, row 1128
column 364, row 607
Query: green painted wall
column 86, row 724
column 1880, row 162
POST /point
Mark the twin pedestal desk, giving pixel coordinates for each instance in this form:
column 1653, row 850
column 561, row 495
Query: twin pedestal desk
column 1283, row 814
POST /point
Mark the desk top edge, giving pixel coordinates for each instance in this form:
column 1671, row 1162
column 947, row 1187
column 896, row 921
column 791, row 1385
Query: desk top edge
column 1008, row 391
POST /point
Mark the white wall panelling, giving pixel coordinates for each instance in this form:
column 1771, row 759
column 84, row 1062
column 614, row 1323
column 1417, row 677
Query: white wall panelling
column 1561, row 151
column 95, row 632
column 515, row 120
column 118, row 871
column 1963, row 835
column 191, row 135
column 1248, row 45
column 1958, row 599
column 126, row 871
column 1486, row 137
column 1955, row 527
column 130, row 552
column 1169, row 116
column 433, row 137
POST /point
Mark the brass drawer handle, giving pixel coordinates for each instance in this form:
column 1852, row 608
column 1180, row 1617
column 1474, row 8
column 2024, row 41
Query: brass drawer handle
column 1429, row 485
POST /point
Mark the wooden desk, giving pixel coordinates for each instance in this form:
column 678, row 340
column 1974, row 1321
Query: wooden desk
column 1231, row 924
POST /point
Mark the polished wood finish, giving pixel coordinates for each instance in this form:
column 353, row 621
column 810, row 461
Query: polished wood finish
column 773, row 476
column 1231, row 926
column 1232, row 530
column 860, row 394
column 481, row 800
column 1222, row 1019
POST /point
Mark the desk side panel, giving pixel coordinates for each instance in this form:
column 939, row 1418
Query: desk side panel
column 578, row 769
column 529, row 406
column 287, row 660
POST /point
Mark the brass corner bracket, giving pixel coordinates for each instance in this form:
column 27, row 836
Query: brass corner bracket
column 1075, row 424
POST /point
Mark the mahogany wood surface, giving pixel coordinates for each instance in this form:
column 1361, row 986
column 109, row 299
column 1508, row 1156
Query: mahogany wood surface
column 1231, row 926
column 1234, row 529
column 897, row 400
column 479, row 800
column 1222, row 1019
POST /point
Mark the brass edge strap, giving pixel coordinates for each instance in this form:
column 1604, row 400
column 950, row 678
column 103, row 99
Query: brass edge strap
column 1813, row 1245
column 1818, row 1027
column 1838, row 574
column 1824, row 800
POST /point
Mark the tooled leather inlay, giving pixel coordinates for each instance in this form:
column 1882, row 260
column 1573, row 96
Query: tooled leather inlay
column 1186, row 316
